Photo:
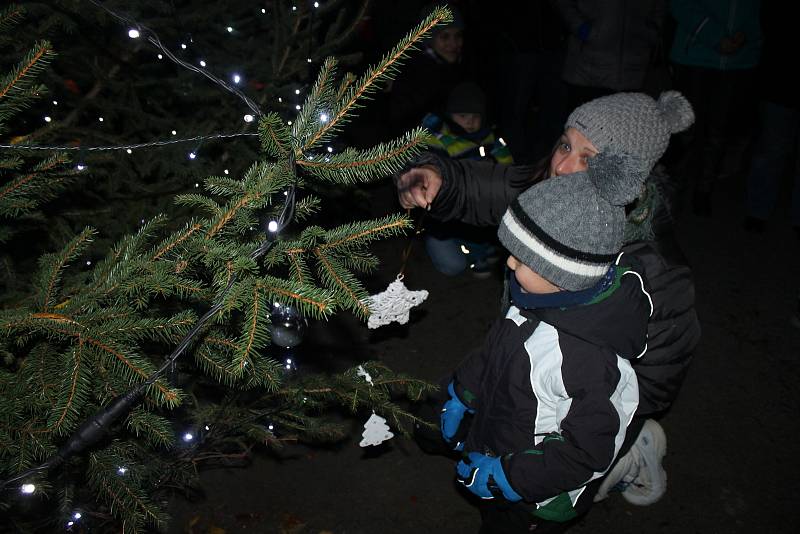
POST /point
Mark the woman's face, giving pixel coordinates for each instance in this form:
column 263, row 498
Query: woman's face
column 448, row 43
column 572, row 153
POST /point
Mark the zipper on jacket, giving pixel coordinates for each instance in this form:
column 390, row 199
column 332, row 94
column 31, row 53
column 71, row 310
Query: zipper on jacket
column 692, row 37
column 731, row 17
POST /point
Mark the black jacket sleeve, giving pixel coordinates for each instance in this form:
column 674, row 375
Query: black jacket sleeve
column 475, row 192
column 673, row 330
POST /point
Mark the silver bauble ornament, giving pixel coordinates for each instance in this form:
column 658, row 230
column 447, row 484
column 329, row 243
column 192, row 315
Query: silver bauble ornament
column 287, row 326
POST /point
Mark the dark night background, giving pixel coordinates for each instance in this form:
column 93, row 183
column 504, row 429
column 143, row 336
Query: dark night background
column 731, row 456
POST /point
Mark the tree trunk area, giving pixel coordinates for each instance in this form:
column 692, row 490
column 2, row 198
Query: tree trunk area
column 731, row 435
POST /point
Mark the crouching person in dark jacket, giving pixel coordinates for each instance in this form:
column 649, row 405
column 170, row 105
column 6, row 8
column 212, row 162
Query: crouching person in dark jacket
column 563, row 394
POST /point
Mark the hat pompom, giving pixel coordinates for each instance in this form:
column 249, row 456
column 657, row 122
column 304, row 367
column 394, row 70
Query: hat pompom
column 618, row 178
column 675, row 110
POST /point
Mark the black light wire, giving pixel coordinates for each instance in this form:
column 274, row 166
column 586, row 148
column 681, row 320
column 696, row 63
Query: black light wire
column 93, row 429
column 132, row 146
column 152, row 38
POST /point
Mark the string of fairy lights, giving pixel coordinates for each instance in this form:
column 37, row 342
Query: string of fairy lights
column 139, row 31
column 93, row 429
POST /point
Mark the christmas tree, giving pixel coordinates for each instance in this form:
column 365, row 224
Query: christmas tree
column 113, row 86
column 118, row 380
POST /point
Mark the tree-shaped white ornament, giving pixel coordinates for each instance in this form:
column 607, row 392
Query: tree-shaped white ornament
column 376, row 431
column 393, row 304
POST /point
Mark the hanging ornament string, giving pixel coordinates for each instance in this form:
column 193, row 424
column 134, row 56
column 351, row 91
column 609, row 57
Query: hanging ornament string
column 376, row 431
column 395, row 303
column 407, row 251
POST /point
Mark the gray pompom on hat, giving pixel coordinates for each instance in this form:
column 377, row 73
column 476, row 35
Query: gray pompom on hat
column 564, row 230
column 633, row 123
column 569, row 229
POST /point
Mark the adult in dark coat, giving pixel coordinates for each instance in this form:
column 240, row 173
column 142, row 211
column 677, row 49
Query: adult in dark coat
column 428, row 78
column 480, row 192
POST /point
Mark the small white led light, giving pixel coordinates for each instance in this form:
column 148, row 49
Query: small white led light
column 174, row 132
column 482, row 151
column 330, row 149
column 188, row 436
column 272, row 226
column 502, row 141
column 202, row 63
column 80, row 167
column 230, row 30
column 100, row 119
column 248, row 118
column 297, row 91
column 192, row 155
column 160, row 56
column 133, row 33
column 226, row 171
column 55, row 102
column 27, row 489
column 297, row 107
column 122, row 470
column 183, row 45
column 236, row 78
column 129, row 151
column 76, row 515
column 323, row 117
column 48, row 119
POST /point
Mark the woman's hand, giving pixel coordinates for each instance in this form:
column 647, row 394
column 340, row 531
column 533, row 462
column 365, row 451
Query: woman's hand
column 418, row 187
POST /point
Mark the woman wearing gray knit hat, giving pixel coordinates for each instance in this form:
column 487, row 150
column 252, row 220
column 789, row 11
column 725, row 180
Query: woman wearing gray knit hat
column 581, row 359
column 633, row 123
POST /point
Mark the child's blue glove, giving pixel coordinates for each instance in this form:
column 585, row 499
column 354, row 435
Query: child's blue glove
column 452, row 414
column 483, row 475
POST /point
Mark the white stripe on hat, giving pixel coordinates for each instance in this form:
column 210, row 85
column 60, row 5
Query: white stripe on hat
column 540, row 249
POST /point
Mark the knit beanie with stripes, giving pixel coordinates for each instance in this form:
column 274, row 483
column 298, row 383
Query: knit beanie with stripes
column 569, row 229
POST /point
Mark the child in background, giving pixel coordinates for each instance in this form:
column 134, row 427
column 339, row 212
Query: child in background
column 462, row 133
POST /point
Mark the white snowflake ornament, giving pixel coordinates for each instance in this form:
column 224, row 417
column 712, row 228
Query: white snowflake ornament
column 363, row 372
column 376, row 431
column 393, row 304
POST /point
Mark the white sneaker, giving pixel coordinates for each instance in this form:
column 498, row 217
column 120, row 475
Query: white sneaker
column 619, row 478
column 638, row 474
column 650, row 481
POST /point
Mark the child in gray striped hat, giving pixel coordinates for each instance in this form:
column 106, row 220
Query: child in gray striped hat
column 552, row 391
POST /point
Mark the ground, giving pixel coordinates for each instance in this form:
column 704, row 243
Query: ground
column 731, row 456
